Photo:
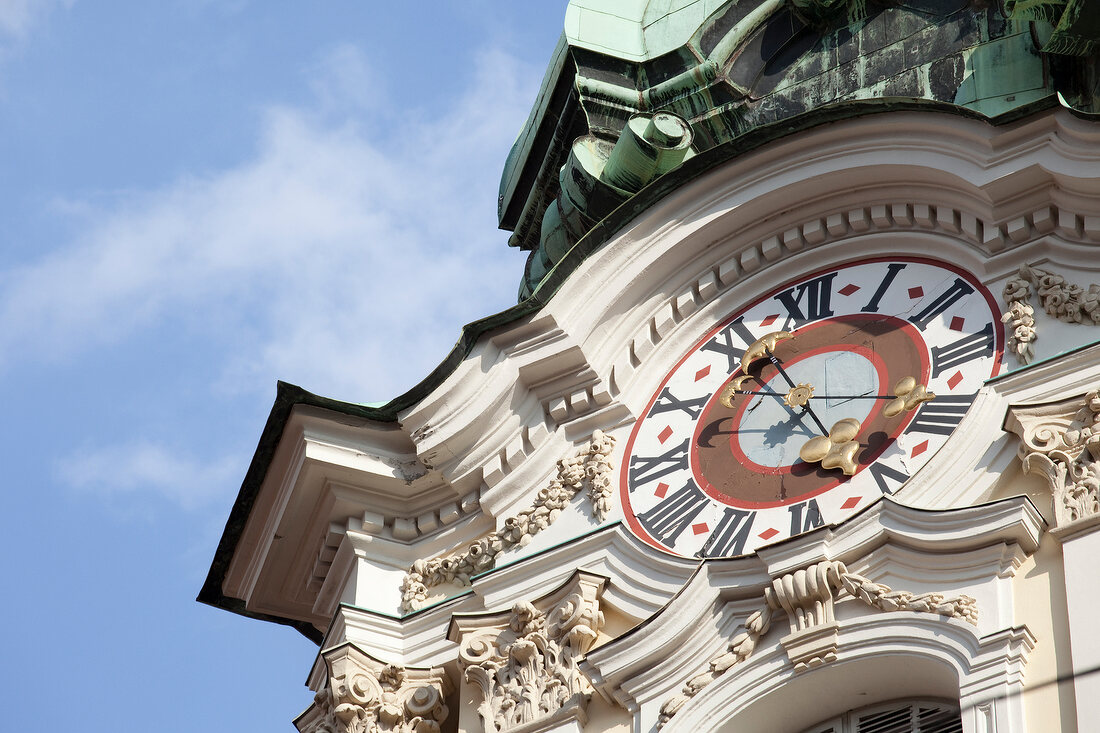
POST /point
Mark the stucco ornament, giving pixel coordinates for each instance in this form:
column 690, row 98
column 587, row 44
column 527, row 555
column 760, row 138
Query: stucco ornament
column 807, row 597
column 364, row 695
column 591, row 466
column 1061, row 443
column 528, row 670
column 1068, row 303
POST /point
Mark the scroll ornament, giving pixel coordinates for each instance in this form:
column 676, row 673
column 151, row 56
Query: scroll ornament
column 1068, row 303
column 1067, row 454
column 807, row 596
column 362, row 701
column 592, row 465
column 528, row 671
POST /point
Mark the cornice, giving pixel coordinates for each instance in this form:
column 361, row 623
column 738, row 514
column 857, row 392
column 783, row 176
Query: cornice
column 493, row 417
column 637, row 666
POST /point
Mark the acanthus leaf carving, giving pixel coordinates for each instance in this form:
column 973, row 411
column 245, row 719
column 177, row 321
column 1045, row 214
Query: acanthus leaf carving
column 364, row 695
column 1061, row 443
column 591, row 465
column 807, row 596
column 527, row 669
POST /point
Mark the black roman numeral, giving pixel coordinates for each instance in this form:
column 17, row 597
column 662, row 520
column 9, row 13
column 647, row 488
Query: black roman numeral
column 883, row 473
column 959, row 352
column 805, row 516
column 729, row 537
column 672, row 516
column 725, row 343
column 650, row 468
column 959, row 289
column 667, row 402
column 941, row 415
column 816, row 293
column 892, row 271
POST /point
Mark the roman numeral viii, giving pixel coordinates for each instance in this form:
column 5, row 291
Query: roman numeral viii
column 807, row 301
column 672, row 516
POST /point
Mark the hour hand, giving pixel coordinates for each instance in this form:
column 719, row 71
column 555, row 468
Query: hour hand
column 837, row 449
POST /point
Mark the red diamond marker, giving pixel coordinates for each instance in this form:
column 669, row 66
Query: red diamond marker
column 661, row 490
column 851, row 503
column 769, row 533
column 919, row 448
column 700, row 528
column 917, row 292
column 848, row 289
column 957, row 323
column 665, row 433
column 769, row 320
column 954, row 381
column 702, row 373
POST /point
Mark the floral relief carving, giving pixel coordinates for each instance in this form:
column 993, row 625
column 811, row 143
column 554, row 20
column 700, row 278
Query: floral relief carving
column 807, row 597
column 591, row 466
column 1068, row 303
column 363, row 695
column 527, row 670
column 1061, row 443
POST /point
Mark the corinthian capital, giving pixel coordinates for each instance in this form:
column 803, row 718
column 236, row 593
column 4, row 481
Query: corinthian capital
column 365, row 695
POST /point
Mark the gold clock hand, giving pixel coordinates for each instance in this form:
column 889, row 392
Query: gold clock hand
column 908, row 394
column 837, row 449
column 762, row 347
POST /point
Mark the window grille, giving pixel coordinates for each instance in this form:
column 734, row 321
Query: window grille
column 919, row 716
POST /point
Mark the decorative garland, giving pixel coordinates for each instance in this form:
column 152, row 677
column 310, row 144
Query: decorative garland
column 591, row 463
column 1067, row 303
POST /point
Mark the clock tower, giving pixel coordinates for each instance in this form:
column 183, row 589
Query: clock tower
column 795, row 426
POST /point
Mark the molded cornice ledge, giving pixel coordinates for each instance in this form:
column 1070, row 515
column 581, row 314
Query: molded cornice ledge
column 642, row 669
column 644, row 580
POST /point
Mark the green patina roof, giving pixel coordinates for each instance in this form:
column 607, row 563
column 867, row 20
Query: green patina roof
column 636, row 30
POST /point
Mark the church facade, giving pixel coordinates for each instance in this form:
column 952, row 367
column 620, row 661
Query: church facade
column 796, row 424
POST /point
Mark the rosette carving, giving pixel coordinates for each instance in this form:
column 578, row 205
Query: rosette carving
column 525, row 665
column 591, row 466
column 364, row 695
column 1061, row 443
column 1066, row 302
column 807, row 596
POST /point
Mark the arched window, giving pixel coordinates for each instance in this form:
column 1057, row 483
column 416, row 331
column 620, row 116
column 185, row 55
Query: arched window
column 908, row 716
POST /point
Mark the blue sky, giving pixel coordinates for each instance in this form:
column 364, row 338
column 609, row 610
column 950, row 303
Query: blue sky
column 199, row 198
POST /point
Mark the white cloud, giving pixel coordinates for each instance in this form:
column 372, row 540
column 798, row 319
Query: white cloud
column 147, row 469
column 18, row 17
column 344, row 255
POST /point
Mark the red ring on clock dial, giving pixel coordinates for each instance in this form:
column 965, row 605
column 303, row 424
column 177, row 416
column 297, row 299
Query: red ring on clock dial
column 895, row 348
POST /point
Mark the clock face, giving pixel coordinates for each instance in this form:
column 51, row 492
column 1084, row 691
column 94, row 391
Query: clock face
column 808, row 405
